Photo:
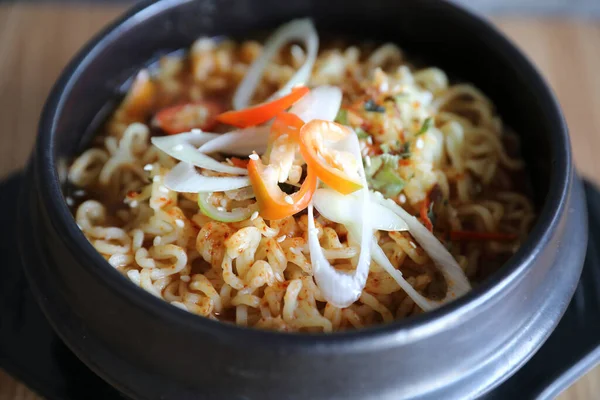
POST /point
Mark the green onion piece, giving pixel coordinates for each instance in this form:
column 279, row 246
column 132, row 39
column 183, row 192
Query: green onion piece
column 383, row 176
column 221, row 215
column 373, row 166
column 342, row 117
column 390, row 183
column 361, row 133
column 428, row 123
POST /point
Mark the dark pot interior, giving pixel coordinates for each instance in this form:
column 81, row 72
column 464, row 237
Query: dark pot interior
column 149, row 349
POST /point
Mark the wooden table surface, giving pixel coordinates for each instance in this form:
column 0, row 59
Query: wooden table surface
column 37, row 40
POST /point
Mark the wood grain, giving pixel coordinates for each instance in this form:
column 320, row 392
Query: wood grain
column 36, row 41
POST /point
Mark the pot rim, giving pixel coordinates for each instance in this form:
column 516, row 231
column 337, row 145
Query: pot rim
column 400, row 332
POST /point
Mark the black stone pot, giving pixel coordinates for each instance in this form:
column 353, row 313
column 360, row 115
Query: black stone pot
column 148, row 349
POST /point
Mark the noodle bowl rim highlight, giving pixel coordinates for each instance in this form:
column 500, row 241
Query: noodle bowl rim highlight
column 403, row 331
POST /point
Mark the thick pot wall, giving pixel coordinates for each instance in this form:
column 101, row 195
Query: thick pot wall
column 471, row 356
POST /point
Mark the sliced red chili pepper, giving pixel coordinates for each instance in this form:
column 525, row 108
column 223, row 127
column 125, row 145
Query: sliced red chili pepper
column 312, row 146
column 260, row 113
column 273, row 203
column 287, row 123
column 473, row 235
column 185, row 117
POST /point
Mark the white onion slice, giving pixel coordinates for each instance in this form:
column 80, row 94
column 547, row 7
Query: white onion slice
column 341, row 208
column 184, row 178
column 458, row 284
column 339, row 288
column 239, row 143
column 381, row 259
column 322, row 102
column 196, row 138
column 181, row 148
column 300, row 29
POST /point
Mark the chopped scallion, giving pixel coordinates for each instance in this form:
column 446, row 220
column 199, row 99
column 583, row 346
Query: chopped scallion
column 361, row 133
column 427, row 124
column 342, row 117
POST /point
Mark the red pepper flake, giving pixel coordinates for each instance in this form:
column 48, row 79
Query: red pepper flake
column 165, row 201
column 366, row 125
column 373, row 149
column 423, row 213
